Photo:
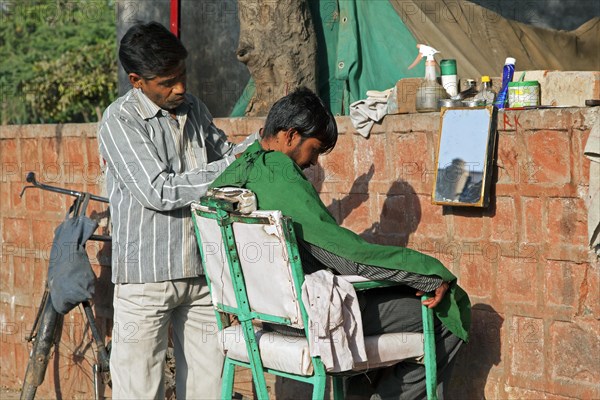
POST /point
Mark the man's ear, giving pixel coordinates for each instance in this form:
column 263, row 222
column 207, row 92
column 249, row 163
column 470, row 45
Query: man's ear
column 135, row 80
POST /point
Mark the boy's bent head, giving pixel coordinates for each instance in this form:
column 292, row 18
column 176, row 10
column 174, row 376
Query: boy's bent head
column 303, row 111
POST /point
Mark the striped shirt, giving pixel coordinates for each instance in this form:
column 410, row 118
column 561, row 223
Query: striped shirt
column 315, row 258
column 156, row 165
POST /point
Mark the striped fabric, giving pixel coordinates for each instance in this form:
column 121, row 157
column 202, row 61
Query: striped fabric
column 315, row 258
column 156, row 165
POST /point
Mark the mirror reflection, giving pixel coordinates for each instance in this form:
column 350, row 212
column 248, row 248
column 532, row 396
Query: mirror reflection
column 464, row 151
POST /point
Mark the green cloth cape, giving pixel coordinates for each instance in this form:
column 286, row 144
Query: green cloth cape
column 279, row 184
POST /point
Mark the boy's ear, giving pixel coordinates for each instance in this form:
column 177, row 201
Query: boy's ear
column 289, row 135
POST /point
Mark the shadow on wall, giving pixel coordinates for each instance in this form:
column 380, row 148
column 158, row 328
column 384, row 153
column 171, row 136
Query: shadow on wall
column 400, row 214
column 358, row 193
column 479, row 356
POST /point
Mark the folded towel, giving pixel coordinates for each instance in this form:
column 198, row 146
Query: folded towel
column 364, row 113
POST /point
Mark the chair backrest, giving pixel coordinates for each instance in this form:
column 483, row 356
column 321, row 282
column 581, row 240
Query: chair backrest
column 259, row 251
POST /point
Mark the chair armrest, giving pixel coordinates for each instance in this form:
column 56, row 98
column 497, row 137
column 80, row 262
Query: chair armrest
column 429, row 347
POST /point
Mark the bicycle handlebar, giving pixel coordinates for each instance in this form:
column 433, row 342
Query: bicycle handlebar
column 30, row 178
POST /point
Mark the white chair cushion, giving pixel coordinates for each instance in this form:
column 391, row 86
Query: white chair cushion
column 391, row 348
column 277, row 351
column 291, row 354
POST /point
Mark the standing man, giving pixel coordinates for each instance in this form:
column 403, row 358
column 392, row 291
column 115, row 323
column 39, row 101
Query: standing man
column 162, row 151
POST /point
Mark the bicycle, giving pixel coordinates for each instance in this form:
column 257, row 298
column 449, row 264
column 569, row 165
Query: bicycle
column 48, row 322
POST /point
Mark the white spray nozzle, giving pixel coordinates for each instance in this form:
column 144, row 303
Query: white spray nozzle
column 426, row 51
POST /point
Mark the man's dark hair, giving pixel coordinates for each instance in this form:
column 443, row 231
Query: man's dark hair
column 303, row 111
column 150, row 50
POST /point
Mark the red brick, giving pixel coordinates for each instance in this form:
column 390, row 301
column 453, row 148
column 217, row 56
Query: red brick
column 431, row 221
column 412, row 159
column 5, row 197
column 581, row 164
column 17, row 202
column 580, row 119
column 563, row 283
column 476, row 274
column 549, row 157
column 21, row 357
column 509, row 154
column 371, row 158
column 574, row 351
column 470, row 224
column 425, row 123
column 590, row 291
column 10, row 167
column 54, row 202
column 33, row 200
column 399, row 123
column 43, row 233
column 50, row 153
column 7, row 363
column 400, row 214
column 74, row 160
column 567, row 221
column 6, row 268
column 17, row 231
column 552, row 119
column 93, row 169
column 339, row 164
column 479, row 362
column 24, row 268
column 503, row 224
column 517, row 281
column 534, row 220
column 30, row 155
column 345, row 127
column 508, row 121
column 526, row 339
column 355, row 210
column 528, row 394
column 52, row 173
column 10, row 151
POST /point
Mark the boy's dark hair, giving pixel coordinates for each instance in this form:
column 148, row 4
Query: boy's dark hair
column 150, row 50
column 303, row 111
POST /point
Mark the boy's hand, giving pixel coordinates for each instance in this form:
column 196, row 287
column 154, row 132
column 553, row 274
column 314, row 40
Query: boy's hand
column 437, row 296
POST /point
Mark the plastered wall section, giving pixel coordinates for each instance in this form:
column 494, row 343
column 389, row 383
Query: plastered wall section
column 524, row 260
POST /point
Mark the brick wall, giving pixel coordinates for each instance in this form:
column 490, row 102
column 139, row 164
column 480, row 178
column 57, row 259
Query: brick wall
column 524, row 260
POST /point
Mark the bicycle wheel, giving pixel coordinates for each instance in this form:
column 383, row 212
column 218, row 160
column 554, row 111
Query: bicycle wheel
column 40, row 353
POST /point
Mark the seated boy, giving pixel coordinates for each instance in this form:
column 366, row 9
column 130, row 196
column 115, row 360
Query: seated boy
column 298, row 129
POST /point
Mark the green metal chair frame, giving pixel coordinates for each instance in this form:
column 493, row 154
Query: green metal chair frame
column 223, row 212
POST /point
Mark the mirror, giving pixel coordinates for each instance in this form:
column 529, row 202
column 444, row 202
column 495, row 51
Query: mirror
column 464, row 155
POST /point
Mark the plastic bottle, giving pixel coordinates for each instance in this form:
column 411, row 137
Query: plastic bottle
column 486, row 93
column 449, row 78
column 507, row 77
column 430, row 91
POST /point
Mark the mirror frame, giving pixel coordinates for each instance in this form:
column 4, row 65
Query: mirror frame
column 484, row 197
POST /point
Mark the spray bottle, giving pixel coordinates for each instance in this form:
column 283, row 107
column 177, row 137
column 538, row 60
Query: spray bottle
column 430, row 91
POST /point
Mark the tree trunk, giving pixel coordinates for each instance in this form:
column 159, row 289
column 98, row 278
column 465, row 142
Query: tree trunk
column 279, row 46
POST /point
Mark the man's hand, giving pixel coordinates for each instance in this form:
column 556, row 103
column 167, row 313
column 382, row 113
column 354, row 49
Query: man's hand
column 437, row 297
